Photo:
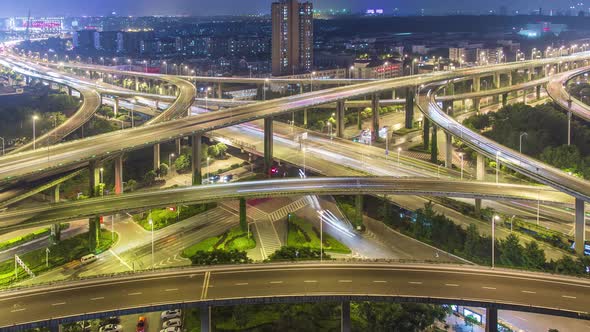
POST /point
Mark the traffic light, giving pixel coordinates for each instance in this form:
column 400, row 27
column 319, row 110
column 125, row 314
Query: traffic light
column 101, row 220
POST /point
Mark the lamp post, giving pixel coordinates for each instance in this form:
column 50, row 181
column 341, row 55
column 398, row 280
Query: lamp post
column 2, row 138
column 494, row 219
column 151, row 222
column 264, row 89
column 165, row 67
column 304, row 157
column 523, row 134
column 146, row 65
column 322, row 236
column 170, row 160
column 208, row 175
column 330, row 129
column 399, row 151
column 34, row 133
column 133, row 102
column 311, row 81
column 350, row 72
column 498, row 153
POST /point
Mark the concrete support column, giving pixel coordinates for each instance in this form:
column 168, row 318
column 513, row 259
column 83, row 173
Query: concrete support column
column 156, row 157
column 55, row 194
column 477, row 206
column 476, row 104
column 449, row 151
column 243, row 215
column 476, row 83
column 157, row 105
column 580, row 227
column 434, row 145
column 345, row 317
column 496, row 79
column 219, row 90
column 340, row 110
column 529, row 74
column 305, row 118
column 359, row 203
column 94, row 170
column 268, row 144
column 480, row 169
column 178, row 146
column 450, row 89
column 375, row 122
column 410, row 95
column 509, row 78
column 119, row 175
column 93, row 233
column 393, row 94
column 504, row 99
column 491, row 320
column 448, row 107
column 538, row 91
column 524, row 93
column 426, row 133
column 116, row 107
column 196, row 160
column 206, row 319
column 69, row 91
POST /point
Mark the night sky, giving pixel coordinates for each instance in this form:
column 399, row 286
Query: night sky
column 217, row 7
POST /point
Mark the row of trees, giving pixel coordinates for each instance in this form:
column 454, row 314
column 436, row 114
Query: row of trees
column 545, row 127
column 441, row 232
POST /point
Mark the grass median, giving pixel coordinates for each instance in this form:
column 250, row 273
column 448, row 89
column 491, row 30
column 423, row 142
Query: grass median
column 302, row 234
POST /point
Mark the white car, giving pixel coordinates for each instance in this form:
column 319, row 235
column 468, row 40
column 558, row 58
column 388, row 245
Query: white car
column 169, row 314
column 174, row 322
column 171, row 329
column 111, row 328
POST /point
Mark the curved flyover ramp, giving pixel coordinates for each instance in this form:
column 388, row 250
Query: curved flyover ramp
column 556, row 88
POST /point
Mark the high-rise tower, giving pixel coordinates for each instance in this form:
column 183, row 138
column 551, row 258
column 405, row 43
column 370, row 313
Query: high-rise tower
column 292, row 37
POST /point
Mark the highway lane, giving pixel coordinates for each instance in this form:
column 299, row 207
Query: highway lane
column 506, row 289
column 50, row 213
column 102, row 145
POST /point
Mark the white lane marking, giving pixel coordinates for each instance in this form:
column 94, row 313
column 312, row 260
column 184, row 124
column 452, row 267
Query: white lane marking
column 59, row 303
column 120, row 259
column 344, row 280
column 486, row 287
column 528, row 292
column 569, row 297
column 452, row 285
column 133, row 294
column 171, row 289
column 97, row 298
column 275, row 282
column 415, row 282
column 310, row 281
column 17, row 310
column 241, row 284
column 380, row 281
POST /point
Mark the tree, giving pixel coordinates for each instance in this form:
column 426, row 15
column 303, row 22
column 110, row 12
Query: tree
column 222, row 148
column 182, row 163
column 533, row 256
column 150, row 177
column 163, row 169
column 511, row 252
column 131, row 185
column 213, row 151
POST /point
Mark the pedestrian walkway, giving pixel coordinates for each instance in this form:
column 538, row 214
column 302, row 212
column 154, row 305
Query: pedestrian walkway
column 268, row 238
column 282, row 212
column 253, row 213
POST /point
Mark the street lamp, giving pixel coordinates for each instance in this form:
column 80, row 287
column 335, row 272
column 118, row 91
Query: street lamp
column 146, row 65
column 399, row 151
column 322, row 236
column 151, row 222
column 304, row 157
column 101, row 170
column 311, row 80
column 264, row 89
column 350, row 71
column 34, row 133
column 329, row 124
column 2, row 138
column 494, row 219
column 498, row 153
column 170, row 160
column 165, row 67
column 461, row 155
column 523, row 134
column 133, row 102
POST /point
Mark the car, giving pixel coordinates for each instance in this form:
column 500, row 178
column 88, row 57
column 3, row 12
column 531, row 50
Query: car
column 141, row 324
column 174, row 322
column 171, row 329
column 169, row 314
column 111, row 328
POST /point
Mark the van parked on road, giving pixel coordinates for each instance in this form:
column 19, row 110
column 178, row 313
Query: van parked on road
column 88, row 259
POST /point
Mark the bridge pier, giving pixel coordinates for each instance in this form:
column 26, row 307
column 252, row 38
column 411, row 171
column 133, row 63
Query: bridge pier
column 580, row 227
column 196, row 160
column 243, row 215
column 480, row 169
column 504, row 99
column 340, row 111
column 449, row 151
column 491, row 320
column 410, row 95
column 93, row 233
column 69, row 91
column 305, row 118
column 509, row 75
column 538, row 91
column 219, row 91
column 496, row 80
column 476, row 84
column 359, row 202
column 345, row 317
column 426, row 133
column 119, row 174
column 476, row 104
column 529, row 74
column 55, row 194
column 177, row 142
column 434, row 145
column 448, row 107
column 116, row 106
column 268, row 145
column 94, row 169
column 206, row 319
column 375, row 122
column 477, row 206
column 157, row 157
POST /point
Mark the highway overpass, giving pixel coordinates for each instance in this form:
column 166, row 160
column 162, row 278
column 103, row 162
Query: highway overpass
column 294, row 282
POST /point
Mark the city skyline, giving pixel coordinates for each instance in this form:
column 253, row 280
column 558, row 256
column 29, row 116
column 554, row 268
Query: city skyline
column 233, row 7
